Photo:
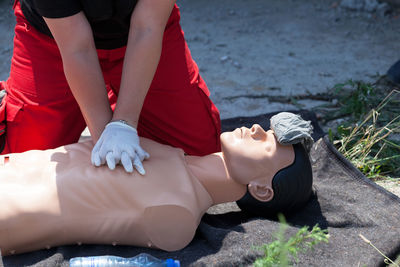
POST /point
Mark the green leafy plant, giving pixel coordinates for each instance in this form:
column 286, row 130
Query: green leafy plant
column 283, row 251
column 355, row 97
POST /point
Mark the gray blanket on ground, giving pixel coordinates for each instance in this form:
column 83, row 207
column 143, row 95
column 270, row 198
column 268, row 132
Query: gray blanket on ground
column 345, row 203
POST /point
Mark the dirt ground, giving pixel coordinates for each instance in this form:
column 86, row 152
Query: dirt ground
column 249, row 50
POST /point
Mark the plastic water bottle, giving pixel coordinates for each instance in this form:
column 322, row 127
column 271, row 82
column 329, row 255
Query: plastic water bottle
column 140, row 260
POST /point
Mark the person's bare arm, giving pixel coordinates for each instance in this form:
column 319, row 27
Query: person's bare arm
column 143, row 52
column 74, row 39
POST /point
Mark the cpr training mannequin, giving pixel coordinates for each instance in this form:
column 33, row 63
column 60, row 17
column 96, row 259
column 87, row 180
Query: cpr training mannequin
column 56, row 197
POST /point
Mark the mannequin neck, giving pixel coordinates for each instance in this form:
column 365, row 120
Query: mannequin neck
column 211, row 171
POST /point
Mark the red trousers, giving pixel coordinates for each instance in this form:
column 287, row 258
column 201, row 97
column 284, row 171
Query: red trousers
column 41, row 112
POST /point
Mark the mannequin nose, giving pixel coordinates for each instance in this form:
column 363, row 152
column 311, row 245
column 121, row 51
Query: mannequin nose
column 257, row 132
column 256, row 128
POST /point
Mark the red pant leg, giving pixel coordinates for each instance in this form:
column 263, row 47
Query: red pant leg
column 177, row 109
column 40, row 108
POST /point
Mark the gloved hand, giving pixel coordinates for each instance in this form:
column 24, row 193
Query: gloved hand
column 119, row 143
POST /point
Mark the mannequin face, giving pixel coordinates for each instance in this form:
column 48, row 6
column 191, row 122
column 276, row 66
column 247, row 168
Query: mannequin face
column 248, row 151
column 250, row 156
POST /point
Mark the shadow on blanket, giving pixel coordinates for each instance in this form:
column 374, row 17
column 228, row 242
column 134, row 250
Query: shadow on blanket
column 345, row 203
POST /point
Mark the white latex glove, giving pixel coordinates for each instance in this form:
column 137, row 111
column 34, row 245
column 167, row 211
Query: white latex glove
column 119, row 143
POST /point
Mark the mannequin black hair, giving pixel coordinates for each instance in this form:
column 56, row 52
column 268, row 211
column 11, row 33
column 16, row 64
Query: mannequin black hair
column 292, row 188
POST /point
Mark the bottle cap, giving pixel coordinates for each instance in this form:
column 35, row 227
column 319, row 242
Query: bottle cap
column 173, row 263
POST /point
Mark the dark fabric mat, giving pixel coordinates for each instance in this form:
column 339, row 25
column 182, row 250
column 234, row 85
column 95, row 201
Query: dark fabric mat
column 345, row 203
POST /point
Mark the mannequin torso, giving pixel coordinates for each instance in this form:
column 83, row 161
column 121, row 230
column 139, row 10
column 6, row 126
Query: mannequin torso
column 69, row 201
column 56, row 197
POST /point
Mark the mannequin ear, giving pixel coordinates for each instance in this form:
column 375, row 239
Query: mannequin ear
column 261, row 192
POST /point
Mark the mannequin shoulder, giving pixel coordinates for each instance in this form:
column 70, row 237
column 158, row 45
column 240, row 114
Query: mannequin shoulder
column 170, row 227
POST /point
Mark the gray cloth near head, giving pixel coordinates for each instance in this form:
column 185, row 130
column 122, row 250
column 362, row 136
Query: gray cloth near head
column 290, row 128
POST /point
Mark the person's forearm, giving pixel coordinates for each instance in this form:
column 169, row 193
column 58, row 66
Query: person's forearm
column 140, row 64
column 74, row 39
column 85, row 79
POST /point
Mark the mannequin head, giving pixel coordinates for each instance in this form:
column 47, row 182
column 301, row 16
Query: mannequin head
column 255, row 158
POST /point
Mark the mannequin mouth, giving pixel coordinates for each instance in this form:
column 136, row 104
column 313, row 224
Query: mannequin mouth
column 239, row 133
column 243, row 131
